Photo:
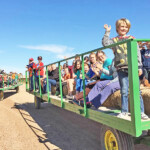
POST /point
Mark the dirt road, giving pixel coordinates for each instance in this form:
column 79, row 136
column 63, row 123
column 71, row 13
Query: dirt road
column 22, row 127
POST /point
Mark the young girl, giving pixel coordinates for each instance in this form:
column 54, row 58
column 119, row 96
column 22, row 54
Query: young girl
column 77, row 72
column 66, row 75
column 73, row 81
column 101, row 57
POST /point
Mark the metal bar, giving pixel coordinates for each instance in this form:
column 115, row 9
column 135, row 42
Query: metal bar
column 134, row 87
column 33, row 74
column 145, row 125
column 7, row 80
column 142, row 40
column 40, row 84
column 26, row 80
column 3, row 81
column 49, row 99
column 60, row 86
column 83, row 80
column 102, row 48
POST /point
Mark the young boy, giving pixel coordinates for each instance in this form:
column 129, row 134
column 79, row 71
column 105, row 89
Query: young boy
column 122, row 27
column 145, row 53
column 31, row 68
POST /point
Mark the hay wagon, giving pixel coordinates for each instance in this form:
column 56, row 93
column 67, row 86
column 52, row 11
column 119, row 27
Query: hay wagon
column 116, row 133
column 6, row 84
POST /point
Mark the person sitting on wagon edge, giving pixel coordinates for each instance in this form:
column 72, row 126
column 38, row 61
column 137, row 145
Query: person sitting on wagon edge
column 54, row 77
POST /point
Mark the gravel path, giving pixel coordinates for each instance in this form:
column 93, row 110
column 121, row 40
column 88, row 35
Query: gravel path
column 22, row 127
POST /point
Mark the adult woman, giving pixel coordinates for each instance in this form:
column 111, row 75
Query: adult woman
column 101, row 57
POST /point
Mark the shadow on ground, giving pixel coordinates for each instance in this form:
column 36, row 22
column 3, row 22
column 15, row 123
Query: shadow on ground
column 65, row 129
column 9, row 93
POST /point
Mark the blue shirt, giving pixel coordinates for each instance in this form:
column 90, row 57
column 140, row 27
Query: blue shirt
column 90, row 73
column 78, row 74
column 106, row 64
column 145, row 54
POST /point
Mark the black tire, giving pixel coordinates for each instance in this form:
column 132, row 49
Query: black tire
column 37, row 102
column 17, row 89
column 65, row 90
column 1, row 95
column 121, row 140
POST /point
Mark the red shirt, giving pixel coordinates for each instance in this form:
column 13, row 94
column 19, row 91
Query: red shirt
column 71, row 71
column 39, row 67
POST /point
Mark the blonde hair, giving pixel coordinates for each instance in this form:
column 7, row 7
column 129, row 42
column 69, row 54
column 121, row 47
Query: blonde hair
column 92, row 54
column 118, row 23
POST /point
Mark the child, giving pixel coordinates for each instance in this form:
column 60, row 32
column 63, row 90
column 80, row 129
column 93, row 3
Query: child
column 77, row 72
column 88, row 76
column 122, row 27
column 145, row 53
column 66, row 75
column 16, row 78
column 31, row 67
column 39, row 68
column 13, row 78
column 1, row 81
column 86, row 60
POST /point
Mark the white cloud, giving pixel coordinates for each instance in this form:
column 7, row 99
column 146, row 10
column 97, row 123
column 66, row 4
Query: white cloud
column 61, row 56
column 50, row 48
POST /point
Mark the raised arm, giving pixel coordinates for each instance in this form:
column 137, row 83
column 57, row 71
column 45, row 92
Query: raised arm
column 106, row 40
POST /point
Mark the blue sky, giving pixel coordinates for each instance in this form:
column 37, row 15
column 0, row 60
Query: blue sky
column 55, row 28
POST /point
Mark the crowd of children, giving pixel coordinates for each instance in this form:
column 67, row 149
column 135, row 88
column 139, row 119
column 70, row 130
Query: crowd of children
column 105, row 75
column 10, row 79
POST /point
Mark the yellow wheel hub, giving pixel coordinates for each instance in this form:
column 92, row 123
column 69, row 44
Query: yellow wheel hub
column 110, row 141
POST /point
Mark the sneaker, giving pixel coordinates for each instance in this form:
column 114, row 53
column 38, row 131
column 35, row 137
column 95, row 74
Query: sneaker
column 122, row 115
column 144, row 116
column 88, row 104
column 70, row 97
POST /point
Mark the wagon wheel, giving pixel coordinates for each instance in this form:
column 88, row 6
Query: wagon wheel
column 65, row 90
column 112, row 139
column 37, row 102
column 1, row 95
column 17, row 89
column 53, row 90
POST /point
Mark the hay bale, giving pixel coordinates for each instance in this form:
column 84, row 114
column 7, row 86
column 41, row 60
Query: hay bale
column 146, row 99
column 65, row 90
column 53, row 89
column 114, row 101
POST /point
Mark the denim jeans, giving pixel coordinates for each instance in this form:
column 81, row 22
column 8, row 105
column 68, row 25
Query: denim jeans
column 37, row 81
column 31, row 83
column 50, row 82
column 124, row 85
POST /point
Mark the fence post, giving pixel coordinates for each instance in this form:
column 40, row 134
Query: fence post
column 84, row 94
column 134, row 87
column 60, row 85
column 40, row 84
column 47, row 85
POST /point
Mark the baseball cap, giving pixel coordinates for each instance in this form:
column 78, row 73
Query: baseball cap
column 31, row 59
